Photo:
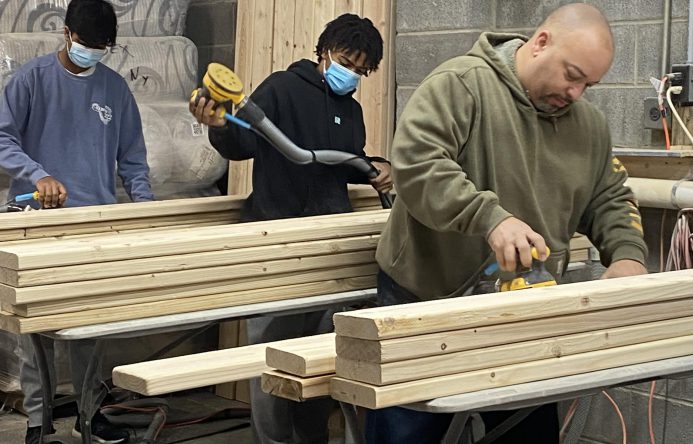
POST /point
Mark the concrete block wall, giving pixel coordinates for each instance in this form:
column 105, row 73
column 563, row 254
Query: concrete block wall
column 211, row 25
column 429, row 33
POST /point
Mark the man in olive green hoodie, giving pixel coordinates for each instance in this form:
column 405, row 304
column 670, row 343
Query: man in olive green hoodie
column 495, row 152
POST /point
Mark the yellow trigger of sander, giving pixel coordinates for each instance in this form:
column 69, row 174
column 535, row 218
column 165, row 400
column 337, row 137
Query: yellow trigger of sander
column 537, row 276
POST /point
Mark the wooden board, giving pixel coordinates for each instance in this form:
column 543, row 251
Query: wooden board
column 295, row 388
column 498, row 308
column 84, row 272
column 315, row 356
column 411, row 347
column 151, row 244
column 374, row 397
column 192, row 371
column 202, row 289
column 512, row 353
column 138, row 285
column 21, row 325
column 116, row 212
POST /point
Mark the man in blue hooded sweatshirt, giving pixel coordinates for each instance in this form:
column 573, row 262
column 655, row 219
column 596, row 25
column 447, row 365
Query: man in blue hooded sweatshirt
column 68, row 125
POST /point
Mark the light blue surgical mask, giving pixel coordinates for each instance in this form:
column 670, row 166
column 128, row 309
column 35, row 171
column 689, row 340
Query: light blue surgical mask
column 341, row 79
column 84, row 57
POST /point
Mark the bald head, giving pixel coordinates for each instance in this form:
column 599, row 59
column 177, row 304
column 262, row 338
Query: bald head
column 569, row 52
column 577, row 20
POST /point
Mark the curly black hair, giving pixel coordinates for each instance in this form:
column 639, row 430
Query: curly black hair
column 94, row 21
column 351, row 33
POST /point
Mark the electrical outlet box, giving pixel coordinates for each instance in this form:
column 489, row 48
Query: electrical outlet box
column 652, row 118
column 686, row 81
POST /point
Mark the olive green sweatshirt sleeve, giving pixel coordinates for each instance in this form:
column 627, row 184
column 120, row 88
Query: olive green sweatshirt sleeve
column 612, row 220
column 430, row 138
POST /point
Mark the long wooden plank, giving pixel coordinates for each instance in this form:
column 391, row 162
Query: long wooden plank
column 499, row 308
column 375, row 397
column 74, row 273
column 192, row 371
column 315, row 356
column 192, row 290
column 481, row 358
column 130, row 246
column 400, row 349
column 21, row 325
column 177, row 279
column 124, row 211
column 295, row 388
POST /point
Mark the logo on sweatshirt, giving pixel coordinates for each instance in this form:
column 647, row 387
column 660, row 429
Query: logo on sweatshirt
column 105, row 113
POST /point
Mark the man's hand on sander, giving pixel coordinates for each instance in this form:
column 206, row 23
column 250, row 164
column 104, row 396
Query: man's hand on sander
column 52, row 194
column 512, row 238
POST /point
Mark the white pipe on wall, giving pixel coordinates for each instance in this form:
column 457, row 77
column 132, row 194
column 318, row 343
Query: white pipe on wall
column 660, row 193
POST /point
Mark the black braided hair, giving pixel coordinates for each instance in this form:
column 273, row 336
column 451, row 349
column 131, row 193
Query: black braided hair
column 350, row 33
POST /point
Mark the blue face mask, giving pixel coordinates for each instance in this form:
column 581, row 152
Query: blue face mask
column 84, row 57
column 342, row 80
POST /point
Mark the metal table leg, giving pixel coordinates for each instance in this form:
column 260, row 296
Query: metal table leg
column 352, row 423
column 47, row 392
column 456, row 428
column 89, row 400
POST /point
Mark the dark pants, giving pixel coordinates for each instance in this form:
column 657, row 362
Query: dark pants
column 396, row 425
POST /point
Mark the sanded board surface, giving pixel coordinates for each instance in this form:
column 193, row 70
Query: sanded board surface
column 88, row 272
column 313, row 357
column 190, row 240
column 295, row 388
column 20, row 325
column 411, row 347
column 177, row 279
column 121, row 211
column 488, row 357
column 192, row 290
column 192, row 371
column 374, row 397
column 497, row 308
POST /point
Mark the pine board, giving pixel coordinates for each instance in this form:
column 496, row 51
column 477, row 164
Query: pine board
column 76, row 273
column 400, row 349
column 211, row 276
column 21, row 325
column 192, row 290
column 498, row 308
column 171, row 242
column 315, row 356
column 511, row 353
column 295, row 388
column 374, row 397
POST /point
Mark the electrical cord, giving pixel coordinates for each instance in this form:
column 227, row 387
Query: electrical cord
column 620, row 416
column 662, row 111
column 677, row 90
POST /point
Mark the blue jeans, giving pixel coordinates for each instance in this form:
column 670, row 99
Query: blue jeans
column 396, row 425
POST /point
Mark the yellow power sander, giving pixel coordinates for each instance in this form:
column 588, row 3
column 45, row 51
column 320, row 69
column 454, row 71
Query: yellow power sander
column 534, row 277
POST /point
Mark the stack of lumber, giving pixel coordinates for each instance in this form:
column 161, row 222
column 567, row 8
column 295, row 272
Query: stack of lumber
column 55, row 283
column 396, row 355
column 302, row 368
column 202, row 369
column 165, row 214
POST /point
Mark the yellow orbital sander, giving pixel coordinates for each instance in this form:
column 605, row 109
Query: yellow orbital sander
column 534, row 277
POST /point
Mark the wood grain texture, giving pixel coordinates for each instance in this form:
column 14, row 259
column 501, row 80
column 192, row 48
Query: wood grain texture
column 512, row 353
column 21, row 325
column 154, row 243
column 295, row 388
column 500, row 308
column 374, row 397
column 312, row 357
column 400, row 349
column 202, row 289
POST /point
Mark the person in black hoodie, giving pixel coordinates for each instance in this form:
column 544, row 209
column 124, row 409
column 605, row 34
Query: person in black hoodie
column 312, row 104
